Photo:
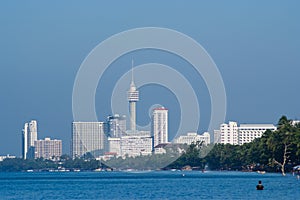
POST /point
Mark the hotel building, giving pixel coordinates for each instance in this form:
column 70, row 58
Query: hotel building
column 88, row 137
column 193, row 137
column 48, row 149
column 160, row 125
column 233, row 134
column 133, row 145
column 29, row 136
column 248, row 132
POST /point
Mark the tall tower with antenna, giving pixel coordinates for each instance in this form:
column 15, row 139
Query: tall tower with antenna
column 133, row 97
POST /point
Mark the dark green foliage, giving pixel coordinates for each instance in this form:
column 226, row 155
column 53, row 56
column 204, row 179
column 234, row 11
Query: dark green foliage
column 192, row 158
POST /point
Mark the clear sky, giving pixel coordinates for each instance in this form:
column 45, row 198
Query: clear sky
column 255, row 44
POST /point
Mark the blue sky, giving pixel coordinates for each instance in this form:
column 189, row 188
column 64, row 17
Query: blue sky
column 255, row 44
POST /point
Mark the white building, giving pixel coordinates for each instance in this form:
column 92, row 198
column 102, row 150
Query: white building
column 29, row 136
column 193, row 137
column 139, row 144
column 160, row 125
column 248, row 132
column 47, row 148
column 25, row 141
column 6, row 157
column 32, row 137
column 233, row 134
column 229, row 133
column 88, row 137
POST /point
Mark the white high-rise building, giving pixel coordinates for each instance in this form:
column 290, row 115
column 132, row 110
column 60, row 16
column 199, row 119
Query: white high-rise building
column 32, row 132
column 229, row 133
column 48, row 149
column 29, row 136
column 88, row 137
column 25, row 141
column 133, row 97
column 233, row 134
column 160, row 125
column 193, row 137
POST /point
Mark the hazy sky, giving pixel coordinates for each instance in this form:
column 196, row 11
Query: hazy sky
column 256, row 46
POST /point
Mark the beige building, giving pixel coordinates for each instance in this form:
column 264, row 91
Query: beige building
column 47, row 148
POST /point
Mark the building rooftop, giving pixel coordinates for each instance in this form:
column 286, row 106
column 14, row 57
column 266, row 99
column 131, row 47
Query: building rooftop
column 256, row 125
column 160, row 108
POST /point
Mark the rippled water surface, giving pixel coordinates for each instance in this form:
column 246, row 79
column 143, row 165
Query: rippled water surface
column 147, row 185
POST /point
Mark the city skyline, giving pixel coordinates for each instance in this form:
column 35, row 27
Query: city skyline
column 255, row 47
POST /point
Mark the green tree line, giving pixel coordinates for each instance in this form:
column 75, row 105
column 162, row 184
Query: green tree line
column 65, row 162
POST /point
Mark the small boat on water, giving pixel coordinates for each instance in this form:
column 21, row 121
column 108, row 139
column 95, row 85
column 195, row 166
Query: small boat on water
column 261, row 172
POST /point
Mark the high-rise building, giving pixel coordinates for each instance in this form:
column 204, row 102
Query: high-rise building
column 229, row 133
column 237, row 135
column 88, row 137
column 133, row 97
column 48, row 149
column 160, row 125
column 29, row 136
column 32, row 132
column 25, row 141
column 116, row 125
column 189, row 138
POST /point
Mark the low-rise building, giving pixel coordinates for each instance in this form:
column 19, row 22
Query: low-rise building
column 248, row 132
column 161, row 148
column 295, row 122
column 6, row 157
column 233, row 134
column 193, row 137
column 139, row 144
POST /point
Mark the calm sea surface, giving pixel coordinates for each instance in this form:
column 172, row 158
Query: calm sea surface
column 150, row 185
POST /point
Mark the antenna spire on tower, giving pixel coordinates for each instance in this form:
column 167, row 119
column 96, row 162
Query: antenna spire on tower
column 132, row 71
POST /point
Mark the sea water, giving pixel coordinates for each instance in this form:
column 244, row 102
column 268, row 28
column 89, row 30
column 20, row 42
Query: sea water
column 147, row 185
